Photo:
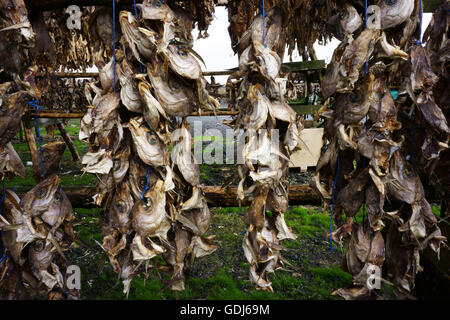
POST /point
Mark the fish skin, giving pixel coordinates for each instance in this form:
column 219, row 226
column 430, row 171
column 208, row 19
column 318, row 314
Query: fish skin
column 351, row 108
column 39, row 198
column 149, row 217
column 140, row 44
column 153, row 109
column 129, row 93
column 138, row 177
column 57, row 212
column 148, row 146
column 394, row 13
column 182, row 61
column 267, row 61
column 182, row 156
column 120, row 210
column 10, row 161
column 12, row 109
column 345, row 22
column 51, row 155
column 176, row 98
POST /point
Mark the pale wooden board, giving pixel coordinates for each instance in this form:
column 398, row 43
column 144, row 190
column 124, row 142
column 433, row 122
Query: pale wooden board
column 311, row 144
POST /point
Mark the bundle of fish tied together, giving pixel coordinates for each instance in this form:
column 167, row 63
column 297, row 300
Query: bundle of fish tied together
column 272, row 132
column 374, row 155
column 152, row 203
column 36, row 230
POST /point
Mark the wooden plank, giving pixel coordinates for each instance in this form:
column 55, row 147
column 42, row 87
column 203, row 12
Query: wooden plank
column 303, row 66
column 68, row 142
column 431, row 5
column 311, row 145
column 304, row 108
column 81, row 197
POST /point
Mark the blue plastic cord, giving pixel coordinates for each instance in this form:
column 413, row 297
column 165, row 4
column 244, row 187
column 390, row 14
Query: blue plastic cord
column 365, row 26
column 114, row 42
column 36, row 107
column 147, row 186
column 1, row 232
column 420, row 23
column 332, row 199
column 264, row 24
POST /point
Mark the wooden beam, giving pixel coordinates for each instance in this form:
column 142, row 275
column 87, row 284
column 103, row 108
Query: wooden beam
column 81, row 197
column 44, row 5
column 68, row 142
column 430, row 6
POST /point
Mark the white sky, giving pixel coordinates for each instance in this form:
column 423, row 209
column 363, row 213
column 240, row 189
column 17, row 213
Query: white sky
column 217, row 53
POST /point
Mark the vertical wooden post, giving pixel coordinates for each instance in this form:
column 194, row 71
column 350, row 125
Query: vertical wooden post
column 69, row 142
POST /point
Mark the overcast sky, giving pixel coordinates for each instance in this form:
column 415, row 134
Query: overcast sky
column 217, row 53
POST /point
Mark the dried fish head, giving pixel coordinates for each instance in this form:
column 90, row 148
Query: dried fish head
column 345, row 22
column 141, row 41
column 182, row 61
column 395, row 12
column 149, row 217
column 182, row 156
column 121, row 208
column 148, row 146
column 153, row 109
column 58, row 210
column 51, row 155
column 175, row 97
column 267, row 61
column 156, row 10
column 38, row 199
column 10, row 161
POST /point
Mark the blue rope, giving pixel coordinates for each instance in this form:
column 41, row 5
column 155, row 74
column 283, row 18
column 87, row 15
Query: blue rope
column 36, row 107
column 365, row 26
column 1, row 232
column 264, row 24
column 114, row 42
column 420, row 23
column 147, row 186
column 333, row 191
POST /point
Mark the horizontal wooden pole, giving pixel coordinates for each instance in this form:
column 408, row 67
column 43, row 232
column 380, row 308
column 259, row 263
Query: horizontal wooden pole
column 59, row 4
column 81, row 197
column 78, row 115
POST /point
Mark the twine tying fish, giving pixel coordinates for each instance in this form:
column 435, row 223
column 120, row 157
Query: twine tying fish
column 147, row 185
column 36, row 107
column 1, row 232
column 114, row 42
column 264, row 24
column 365, row 26
column 420, row 23
column 332, row 199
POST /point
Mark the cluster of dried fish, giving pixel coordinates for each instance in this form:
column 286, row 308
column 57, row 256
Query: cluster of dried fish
column 438, row 46
column 303, row 22
column 369, row 160
column 36, row 230
column 152, row 203
column 272, row 132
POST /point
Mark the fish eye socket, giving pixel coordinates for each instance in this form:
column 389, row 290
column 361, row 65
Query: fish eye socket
column 58, row 197
column 391, row 2
column 343, row 14
column 142, row 182
column 40, row 193
column 39, row 245
column 157, row 4
column 173, row 84
column 116, row 164
column 355, row 97
column 120, row 206
column 153, row 141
